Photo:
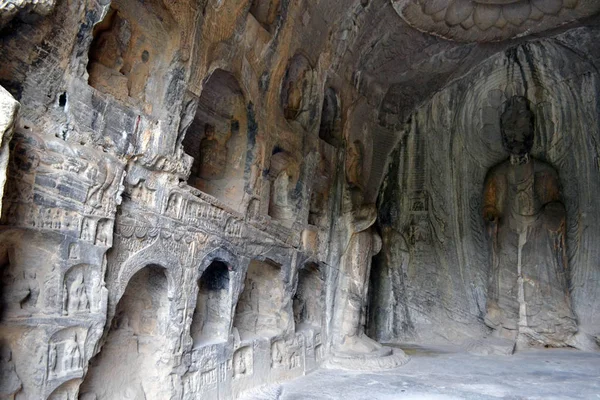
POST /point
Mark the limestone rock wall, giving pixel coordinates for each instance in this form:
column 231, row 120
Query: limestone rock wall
column 171, row 188
column 429, row 282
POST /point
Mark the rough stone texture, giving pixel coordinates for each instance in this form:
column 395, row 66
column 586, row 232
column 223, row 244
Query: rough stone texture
column 491, row 20
column 11, row 8
column 190, row 205
column 8, row 112
column 433, row 271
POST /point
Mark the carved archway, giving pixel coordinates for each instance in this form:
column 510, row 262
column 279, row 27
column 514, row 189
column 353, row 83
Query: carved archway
column 136, row 341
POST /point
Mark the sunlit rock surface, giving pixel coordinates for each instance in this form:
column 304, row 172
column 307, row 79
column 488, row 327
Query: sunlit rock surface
column 201, row 198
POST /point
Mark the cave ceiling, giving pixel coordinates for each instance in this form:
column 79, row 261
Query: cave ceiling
column 402, row 52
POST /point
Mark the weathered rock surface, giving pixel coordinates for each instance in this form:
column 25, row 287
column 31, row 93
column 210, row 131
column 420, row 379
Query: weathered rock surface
column 8, row 113
column 193, row 203
column 430, row 282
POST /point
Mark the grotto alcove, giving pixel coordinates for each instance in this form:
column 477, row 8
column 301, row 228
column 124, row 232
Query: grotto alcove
column 217, row 140
column 132, row 354
column 249, row 199
column 130, row 52
column 260, row 310
column 212, row 317
column 308, row 300
column 436, row 261
column 331, row 119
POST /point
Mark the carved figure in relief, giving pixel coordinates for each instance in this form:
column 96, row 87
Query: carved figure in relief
column 52, row 358
column 355, row 267
column 10, row 383
column 249, row 298
column 295, row 93
column 103, row 177
column 21, row 292
column 213, row 154
column 354, row 165
column 77, row 295
column 72, row 355
column 528, row 293
column 173, row 205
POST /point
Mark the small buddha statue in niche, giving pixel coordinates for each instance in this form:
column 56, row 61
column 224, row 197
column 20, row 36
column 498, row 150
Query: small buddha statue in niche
column 111, row 44
column 213, row 154
column 528, row 294
column 295, row 94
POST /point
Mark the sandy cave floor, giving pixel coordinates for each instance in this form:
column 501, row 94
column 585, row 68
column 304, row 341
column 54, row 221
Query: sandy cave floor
column 442, row 374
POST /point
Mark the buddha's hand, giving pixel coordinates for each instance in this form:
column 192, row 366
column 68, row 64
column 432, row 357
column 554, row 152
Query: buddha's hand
column 554, row 216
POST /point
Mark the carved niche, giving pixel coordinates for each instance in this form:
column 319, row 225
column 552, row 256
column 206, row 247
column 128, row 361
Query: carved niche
column 284, row 174
column 136, row 341
column 260, row 310
column 217, row 140
column 298, row 92
column 81, row 291
column 308, row 300
column 131, row 51
column 213, row 309
column 65, row 358
column 330, row 129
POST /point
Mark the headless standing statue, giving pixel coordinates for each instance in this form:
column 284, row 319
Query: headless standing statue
column 528, row 294
column 352, row 348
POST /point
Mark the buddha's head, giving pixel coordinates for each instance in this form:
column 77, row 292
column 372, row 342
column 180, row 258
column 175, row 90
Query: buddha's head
column 517, row 125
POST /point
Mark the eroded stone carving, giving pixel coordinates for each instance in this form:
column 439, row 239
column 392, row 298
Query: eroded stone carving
column 491, row 20
column 284, row 173
column 298, row 91
column 20, row 292
column 528, row 295
column 10, row 384
column 64, row 356
column 352, row 348
column 76, row 295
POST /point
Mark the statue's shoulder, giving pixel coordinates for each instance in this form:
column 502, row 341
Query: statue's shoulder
column 498, row 170
column 542, row 167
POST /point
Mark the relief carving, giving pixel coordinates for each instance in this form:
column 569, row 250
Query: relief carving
column 20, row 292
column 10, row 383
column 528, row 294
column 64, row 357
column 491, row 20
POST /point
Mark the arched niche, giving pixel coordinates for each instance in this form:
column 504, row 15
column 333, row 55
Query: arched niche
column 66, row 391
column 132, row 358
column 217, row 140
column 212, row 314
column 260, row 309
column 308, row 300
column 266, row 12
column 80, row 290
column 132, row 50
column 330, row 129
column 65, row 355
column 298, row 92
column 284, row 174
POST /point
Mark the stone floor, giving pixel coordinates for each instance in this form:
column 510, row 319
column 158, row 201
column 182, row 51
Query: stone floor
column 441, row 374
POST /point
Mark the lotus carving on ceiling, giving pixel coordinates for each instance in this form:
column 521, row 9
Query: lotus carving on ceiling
column 491, row 20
